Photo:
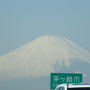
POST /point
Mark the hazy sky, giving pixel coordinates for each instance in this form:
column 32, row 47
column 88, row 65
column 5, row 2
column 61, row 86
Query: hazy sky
column 24, row 20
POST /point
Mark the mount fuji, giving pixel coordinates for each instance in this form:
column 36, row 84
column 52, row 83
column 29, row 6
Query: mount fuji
column 42, row 56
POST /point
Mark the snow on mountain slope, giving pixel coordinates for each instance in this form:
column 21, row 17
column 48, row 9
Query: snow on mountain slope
column 38, row 57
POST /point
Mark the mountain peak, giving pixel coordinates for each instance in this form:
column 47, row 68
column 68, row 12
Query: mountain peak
column 38, row 57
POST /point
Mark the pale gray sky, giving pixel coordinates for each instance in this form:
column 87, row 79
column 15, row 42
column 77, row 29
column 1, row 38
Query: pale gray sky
column 24, row 20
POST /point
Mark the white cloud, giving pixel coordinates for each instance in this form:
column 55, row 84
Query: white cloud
column 38, row 57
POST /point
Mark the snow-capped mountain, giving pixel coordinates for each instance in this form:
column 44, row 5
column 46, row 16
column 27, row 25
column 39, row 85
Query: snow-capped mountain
column 39, row 57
